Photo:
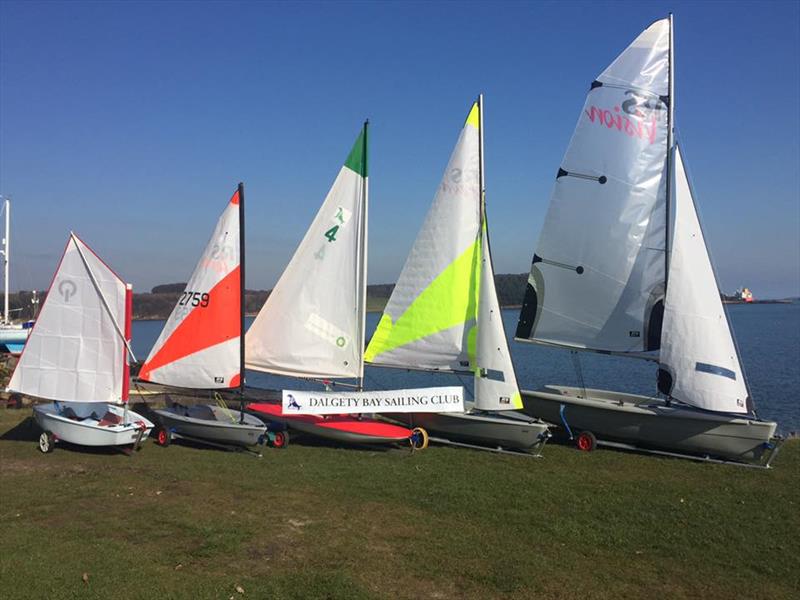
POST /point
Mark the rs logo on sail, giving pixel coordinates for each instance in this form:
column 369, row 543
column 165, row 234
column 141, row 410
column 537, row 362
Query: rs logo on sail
column 637, row 116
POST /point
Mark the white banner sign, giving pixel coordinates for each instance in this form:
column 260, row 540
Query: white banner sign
column 437, row 399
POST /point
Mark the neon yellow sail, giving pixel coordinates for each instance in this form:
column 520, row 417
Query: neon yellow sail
column 434, row 318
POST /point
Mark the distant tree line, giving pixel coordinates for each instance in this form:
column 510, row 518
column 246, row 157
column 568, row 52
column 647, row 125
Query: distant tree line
column 158, row 304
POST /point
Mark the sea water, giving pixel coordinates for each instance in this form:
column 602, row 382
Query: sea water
column 768, row 336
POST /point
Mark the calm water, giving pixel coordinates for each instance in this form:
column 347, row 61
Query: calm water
column 768, row 336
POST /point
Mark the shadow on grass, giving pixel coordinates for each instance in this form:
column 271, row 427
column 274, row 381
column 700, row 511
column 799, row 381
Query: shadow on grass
column 25, row 431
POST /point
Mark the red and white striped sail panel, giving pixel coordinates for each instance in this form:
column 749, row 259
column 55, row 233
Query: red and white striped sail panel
column 199, row 345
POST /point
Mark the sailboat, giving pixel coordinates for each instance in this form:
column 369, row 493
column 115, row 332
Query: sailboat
column 202, row 347
column 312, row 324
column 622, row 268
column 12, row 335
column 444, row 316
column 77, row 356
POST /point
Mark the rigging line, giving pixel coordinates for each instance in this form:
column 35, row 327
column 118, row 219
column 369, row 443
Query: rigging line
column 469, row 392
column 102, row 297
column 576, row 362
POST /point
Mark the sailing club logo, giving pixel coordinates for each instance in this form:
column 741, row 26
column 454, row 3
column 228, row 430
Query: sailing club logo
column 67, row 289
column 637, row 116
column 293, row 404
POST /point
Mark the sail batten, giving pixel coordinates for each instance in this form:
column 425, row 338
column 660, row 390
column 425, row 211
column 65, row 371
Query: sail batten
column 312, row 324
column 597, row 280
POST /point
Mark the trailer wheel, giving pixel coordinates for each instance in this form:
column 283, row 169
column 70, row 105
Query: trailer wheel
column 419, row 438
column 163, row 437
column 586, row 441
column 47, row 442
column 280, row 439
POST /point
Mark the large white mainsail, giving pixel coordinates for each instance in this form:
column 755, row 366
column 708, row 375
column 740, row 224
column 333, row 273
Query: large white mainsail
column 697, row 348
column 77, row 349
column 199, row 345
column 443, row 313
column 312, row 324
column 597, row 279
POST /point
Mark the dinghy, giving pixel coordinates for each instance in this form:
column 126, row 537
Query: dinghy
column 312, row 324
column 77, row 356
column 202, row 347
column 443, row 315
column 622, row 268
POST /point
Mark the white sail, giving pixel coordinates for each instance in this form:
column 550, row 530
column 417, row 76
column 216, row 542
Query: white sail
column 495, row 380
column 77, row 351
column 199, row 345
column 312, row 324
column 697, row 349
column 429, row 321
column 597, row 279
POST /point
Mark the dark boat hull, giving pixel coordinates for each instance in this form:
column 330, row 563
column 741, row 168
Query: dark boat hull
column 651, row 423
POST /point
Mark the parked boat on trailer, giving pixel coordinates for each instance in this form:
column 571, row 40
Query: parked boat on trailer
column 443, row 315
column 622, row 268
column 312, row 324
column 78, row 354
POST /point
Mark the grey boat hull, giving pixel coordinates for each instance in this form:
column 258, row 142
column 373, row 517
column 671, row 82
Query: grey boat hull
column 651, row 423
column 506, row 429
column 214, row 424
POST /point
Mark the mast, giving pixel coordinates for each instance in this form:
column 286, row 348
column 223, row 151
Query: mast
column 480, row 155
column 670, row 144
column 6, row 246
column 126, row 369
column 363, row 266
column 242, row 303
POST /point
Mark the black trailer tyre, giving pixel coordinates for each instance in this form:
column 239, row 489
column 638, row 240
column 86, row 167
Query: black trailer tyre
column 586, row 441
column 47, row 442
column 280, row 439
column 163, row 437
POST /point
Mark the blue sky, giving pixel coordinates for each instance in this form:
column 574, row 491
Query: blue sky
column 132, row 122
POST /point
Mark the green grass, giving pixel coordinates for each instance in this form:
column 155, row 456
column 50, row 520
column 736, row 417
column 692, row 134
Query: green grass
column 320, row 522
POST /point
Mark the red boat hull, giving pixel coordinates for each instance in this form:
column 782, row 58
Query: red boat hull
column 340, row 428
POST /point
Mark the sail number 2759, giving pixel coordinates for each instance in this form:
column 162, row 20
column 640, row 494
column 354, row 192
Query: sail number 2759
column 200, row 299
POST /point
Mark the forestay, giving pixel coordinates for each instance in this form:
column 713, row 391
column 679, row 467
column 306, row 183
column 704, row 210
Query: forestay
column 199, row 345
column 312, row 324
column 697, row 349
column 597, row 279
column 77, row 350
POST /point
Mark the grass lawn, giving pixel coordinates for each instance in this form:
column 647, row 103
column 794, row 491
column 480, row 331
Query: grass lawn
column 316, row 521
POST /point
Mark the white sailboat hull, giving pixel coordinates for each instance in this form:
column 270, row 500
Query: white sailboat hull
column 650, row 423
column 90, row 431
